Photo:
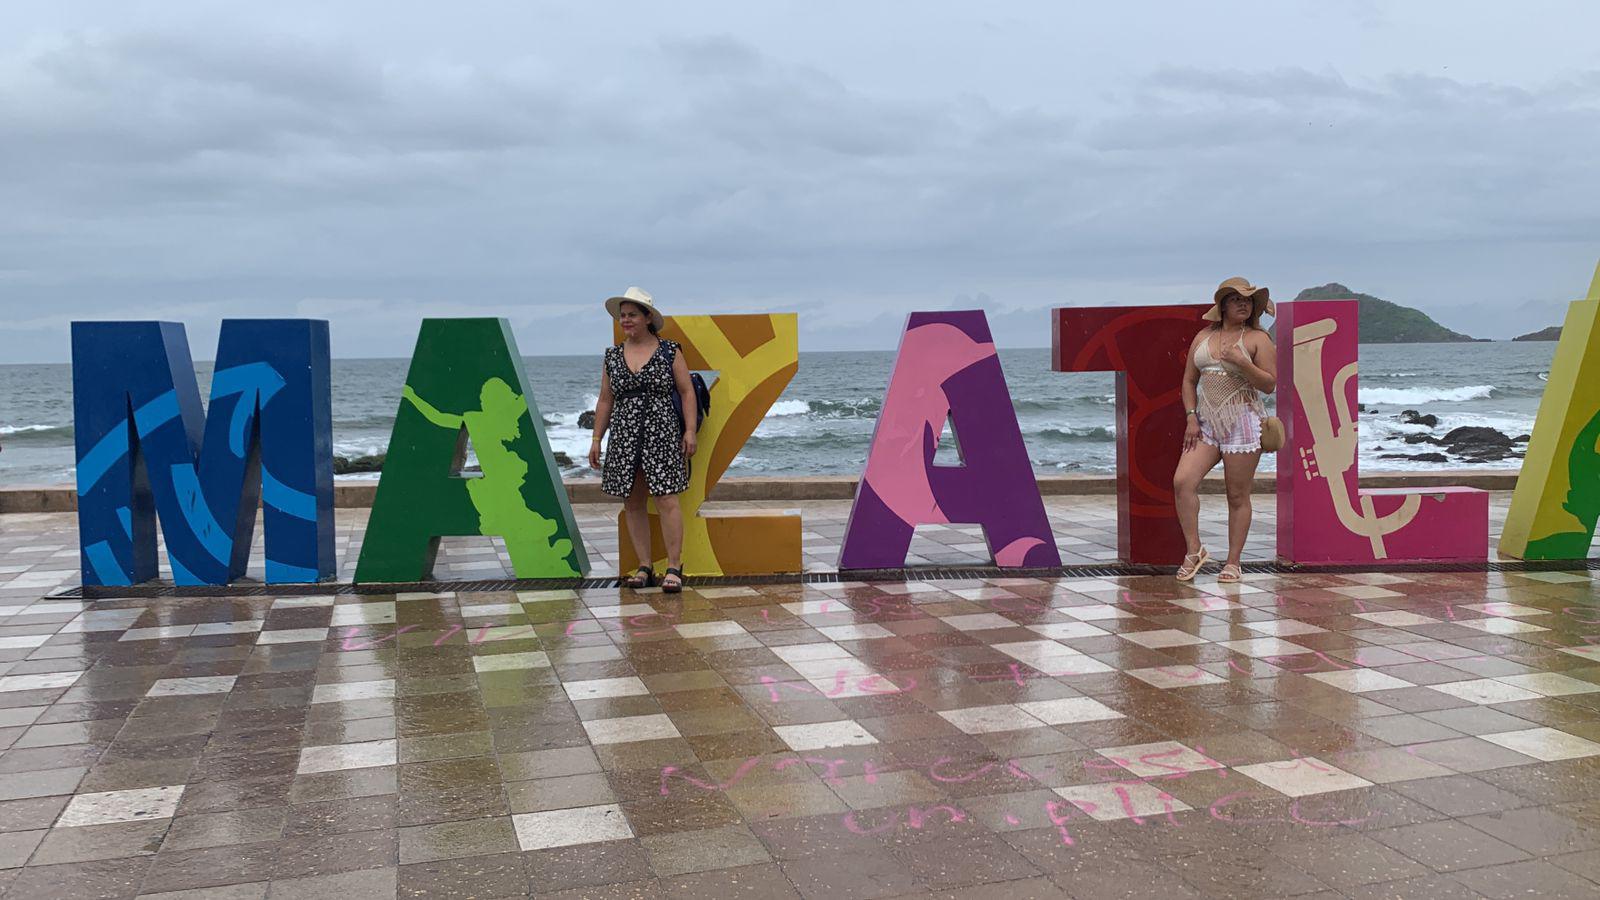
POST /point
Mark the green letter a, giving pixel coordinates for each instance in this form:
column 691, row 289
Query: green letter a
column 466, row 382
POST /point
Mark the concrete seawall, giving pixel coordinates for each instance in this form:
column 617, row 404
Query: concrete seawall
column 356, row 494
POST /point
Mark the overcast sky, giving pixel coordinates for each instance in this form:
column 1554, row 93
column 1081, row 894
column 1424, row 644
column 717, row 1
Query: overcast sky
column 376, row 161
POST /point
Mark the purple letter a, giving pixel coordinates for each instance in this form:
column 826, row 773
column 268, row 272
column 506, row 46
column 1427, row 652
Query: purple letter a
column 947, row 369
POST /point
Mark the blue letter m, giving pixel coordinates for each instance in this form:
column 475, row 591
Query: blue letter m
column 267, row 441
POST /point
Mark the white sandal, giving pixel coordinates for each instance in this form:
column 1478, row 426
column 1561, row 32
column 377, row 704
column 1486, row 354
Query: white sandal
column 1188, row 571
column 1230, row 574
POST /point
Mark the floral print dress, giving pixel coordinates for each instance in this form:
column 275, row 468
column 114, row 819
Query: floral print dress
column 644, row 431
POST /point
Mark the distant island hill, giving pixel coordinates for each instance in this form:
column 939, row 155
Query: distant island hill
column 1383, row 322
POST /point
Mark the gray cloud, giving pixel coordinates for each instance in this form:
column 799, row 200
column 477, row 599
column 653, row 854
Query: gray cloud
column 166, row 170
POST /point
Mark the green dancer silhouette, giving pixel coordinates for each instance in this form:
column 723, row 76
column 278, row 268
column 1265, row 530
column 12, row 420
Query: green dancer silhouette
column 497, row 495
column 1583, row 499
column 466, row 381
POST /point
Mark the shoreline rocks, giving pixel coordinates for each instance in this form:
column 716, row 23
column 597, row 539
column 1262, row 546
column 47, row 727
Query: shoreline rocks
column 1417, row 457
column 1467, row 443
column 346, row 465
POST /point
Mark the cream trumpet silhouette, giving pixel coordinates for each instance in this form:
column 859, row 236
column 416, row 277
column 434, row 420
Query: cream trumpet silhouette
column 1333, row 448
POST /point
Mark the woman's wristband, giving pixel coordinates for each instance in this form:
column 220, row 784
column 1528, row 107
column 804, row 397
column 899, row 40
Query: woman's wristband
column 596, row 439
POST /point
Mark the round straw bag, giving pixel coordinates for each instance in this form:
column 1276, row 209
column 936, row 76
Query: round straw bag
column 1271, row 434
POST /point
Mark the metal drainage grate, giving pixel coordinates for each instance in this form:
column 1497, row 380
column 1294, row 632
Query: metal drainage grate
column 927, row 573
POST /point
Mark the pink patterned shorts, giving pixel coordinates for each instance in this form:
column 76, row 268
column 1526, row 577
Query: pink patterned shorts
column 1243, row 437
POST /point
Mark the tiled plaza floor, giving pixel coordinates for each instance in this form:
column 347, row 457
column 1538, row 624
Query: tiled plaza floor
column 1355, row 736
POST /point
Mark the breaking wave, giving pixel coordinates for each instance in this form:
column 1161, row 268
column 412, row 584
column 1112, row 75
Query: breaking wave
column 1403, row 396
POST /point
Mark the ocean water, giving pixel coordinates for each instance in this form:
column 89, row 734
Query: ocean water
column 823, row 423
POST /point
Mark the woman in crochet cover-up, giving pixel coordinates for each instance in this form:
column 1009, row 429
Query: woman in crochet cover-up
column 1231, row 365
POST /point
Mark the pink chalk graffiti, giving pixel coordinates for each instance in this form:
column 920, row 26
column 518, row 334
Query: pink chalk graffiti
column 353, row 630
column 1294, row 813
column 916, row 815
column 893, row 688
column 933, row 772
column 1114, row 766
column 831, row 774
column 840, row 685
column 737, row 776
column 1017, row 676
column 851, row 826
column 1217, row 805
column 1053, row 809
column 1153, row 759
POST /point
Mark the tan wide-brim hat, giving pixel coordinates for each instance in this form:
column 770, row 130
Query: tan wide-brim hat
column 641, row 298
column 1259, row 295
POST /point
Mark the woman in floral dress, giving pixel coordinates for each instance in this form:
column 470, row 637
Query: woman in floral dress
column 649, row 450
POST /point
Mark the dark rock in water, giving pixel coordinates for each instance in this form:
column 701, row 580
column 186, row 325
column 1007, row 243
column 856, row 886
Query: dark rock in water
column 1412, row 417
column 1361, row 407
column 586, row 419
column 1469, row 443
column 1522, row 439
column 1419, row 457
column 1478, row 443
column 562, row 459
column 345, row 466
column 1476, row 434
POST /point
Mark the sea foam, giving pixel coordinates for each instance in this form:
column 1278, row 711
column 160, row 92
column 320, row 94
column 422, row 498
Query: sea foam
column 1419, row 395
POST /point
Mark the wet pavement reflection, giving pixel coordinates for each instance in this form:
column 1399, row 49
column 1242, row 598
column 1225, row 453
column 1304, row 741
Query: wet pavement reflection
column 1363, row 735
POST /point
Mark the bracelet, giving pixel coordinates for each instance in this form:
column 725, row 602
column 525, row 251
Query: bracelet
column 596, row 439
column 1191, row 412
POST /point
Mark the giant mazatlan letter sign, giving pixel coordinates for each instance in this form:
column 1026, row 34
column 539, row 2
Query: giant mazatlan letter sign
column 1324, row 516
column 146, row 449
column 1557, row 500
column 947, row 370
column 466, row 383
column 1147, row 348
column 754, row 357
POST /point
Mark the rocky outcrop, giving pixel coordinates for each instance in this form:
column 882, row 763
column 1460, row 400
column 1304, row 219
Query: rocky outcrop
column 1417, row 457
column 1469, row 443
column 1479, row 443
column 1553, row 333
column 346, row 465
column 1382, row 322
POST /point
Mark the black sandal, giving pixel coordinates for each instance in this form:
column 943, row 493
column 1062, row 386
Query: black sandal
column 642, row 578
column 672, row 588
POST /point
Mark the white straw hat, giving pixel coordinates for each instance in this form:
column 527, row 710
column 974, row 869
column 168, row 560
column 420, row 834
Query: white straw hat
column 641, row 298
